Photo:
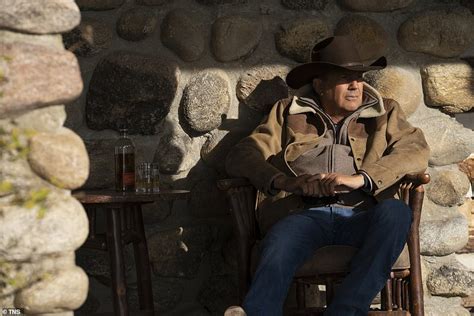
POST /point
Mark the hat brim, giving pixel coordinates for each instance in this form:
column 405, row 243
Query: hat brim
column 305, row 73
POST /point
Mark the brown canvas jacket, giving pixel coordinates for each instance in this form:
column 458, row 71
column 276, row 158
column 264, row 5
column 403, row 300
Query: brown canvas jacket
column 384, row 145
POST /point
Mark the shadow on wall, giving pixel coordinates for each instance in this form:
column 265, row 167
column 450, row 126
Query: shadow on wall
column 206, row 199
column 467, row 118
column 170, row 149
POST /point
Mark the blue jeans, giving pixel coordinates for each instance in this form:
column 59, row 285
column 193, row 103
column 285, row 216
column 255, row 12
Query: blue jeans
column 380, row 234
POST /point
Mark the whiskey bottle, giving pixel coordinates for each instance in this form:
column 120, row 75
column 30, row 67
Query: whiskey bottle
column 124, row 163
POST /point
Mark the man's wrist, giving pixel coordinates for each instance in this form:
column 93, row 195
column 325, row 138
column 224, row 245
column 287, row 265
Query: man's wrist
column 279, row 182
column 361, row 180
column 368, row 184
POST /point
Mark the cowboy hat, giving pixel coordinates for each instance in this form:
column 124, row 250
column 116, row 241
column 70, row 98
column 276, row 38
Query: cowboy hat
column 332, row 52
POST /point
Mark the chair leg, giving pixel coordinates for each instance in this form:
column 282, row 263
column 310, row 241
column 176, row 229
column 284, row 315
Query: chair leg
column 416, row 286
column 386, row 296
column 300, row 295
column 329, row 290
column 416, row 293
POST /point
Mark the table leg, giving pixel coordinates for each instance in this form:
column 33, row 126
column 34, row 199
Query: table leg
column 91, row 214
column 117, row 267
column 145, row 292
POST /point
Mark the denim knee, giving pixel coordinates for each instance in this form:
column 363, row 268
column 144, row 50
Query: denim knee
column 275, row 259
column 394, row 212
column 281, row 254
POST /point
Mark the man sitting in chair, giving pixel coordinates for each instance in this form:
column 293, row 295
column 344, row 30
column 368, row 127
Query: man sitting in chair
column 329, row 165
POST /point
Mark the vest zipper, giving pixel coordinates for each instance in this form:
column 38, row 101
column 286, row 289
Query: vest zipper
column 335, row 138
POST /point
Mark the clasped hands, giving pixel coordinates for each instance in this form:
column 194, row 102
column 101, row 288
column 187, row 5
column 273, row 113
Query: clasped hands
column 319, row 185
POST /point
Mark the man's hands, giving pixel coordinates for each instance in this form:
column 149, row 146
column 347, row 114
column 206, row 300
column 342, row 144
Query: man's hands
column 319, row 185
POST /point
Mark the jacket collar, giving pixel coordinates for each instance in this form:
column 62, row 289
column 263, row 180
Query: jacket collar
column 372, row 104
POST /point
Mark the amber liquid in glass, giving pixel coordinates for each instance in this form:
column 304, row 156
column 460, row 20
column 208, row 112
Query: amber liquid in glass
column 125, row 171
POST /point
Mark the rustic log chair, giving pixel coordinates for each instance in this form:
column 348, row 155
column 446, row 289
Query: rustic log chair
column 403, row 293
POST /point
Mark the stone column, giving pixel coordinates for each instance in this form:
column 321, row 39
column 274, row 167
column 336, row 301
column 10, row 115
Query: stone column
column 40, row 160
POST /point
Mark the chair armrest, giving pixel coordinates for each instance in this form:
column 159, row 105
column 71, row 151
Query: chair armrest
column 416, row 179
column 242, row 197
column 226, row 184
column 412, row 192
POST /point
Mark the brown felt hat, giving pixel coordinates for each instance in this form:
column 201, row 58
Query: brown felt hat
column 336, row 51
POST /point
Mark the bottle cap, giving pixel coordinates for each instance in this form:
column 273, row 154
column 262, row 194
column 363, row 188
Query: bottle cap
column 122, row 126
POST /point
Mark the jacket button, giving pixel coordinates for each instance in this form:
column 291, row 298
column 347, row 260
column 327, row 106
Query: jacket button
column 359, row 159
column 379, row 182
column 353, row 139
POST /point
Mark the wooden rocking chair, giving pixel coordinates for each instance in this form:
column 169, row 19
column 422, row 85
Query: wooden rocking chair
column 403, row 292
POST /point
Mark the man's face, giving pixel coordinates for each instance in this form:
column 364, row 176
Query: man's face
column 340, row 90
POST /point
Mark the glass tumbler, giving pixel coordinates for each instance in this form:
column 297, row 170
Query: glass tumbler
column 144, row 181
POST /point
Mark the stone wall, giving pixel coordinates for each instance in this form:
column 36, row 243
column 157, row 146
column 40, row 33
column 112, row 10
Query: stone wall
column 192, row 77
column 40, row 160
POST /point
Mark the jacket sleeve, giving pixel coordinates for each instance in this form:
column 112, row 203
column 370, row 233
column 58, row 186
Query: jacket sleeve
column 250, row 157
column 407, row 151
